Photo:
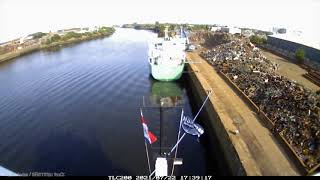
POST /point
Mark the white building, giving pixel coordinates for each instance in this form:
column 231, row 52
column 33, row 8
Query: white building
column 225, row 29
column 234, row 30
column 307, row 39
column 215, row 28
column 93, row 28
column 247, row 33
column 25, row 38
column 277, row 30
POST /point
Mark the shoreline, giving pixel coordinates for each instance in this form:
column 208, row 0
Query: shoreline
column 38, row 47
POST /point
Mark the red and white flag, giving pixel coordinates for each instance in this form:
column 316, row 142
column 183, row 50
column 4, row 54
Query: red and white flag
column 147, row 134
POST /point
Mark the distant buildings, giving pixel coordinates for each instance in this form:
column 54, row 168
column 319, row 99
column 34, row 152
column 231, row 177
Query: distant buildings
column 10, row 46
column 215, row 28
column 226, row 29
column 64, row 31
column 300, row 38
column 26, row 39
column 5, row 44
column 77, row 30
column 30, row 40
column 277, row 30
column 235, row 30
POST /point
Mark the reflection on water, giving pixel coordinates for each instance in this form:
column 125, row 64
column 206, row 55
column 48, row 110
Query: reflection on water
column 166, row 94
column 54, row 48
column 76, row 110
column 163, row 114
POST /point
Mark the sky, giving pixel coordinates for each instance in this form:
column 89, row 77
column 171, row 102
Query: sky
column 22, row 17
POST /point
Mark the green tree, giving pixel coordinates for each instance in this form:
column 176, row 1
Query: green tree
column 88, row 34
column 106, row 30
column 137, row 26
column 157, row 27
column 161, row 31
column 38, row 35
column 172, row 27
column 300, row 54
column 55, row 38
column 48, row 41
column 257, row 40
column 70, row 35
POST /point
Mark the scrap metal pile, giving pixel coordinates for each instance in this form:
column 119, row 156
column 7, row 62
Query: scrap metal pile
column 294, row 110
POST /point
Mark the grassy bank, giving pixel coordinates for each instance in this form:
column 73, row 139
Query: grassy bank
column 57, row 40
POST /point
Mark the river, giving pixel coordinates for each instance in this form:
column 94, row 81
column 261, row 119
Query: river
column 76, row 110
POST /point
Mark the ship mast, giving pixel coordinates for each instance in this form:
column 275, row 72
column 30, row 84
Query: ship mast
column 166, row 35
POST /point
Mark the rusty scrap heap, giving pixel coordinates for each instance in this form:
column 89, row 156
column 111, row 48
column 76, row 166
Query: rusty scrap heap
column 294, row 110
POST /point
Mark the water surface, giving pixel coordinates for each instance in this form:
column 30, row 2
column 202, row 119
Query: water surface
column 76, row 110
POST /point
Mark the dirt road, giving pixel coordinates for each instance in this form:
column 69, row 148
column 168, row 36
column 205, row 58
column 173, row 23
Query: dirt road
column 291, row 71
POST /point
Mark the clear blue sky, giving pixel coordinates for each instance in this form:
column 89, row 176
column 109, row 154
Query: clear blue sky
column 19, row 17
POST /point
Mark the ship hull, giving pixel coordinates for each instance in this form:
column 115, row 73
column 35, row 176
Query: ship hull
column 166, row 73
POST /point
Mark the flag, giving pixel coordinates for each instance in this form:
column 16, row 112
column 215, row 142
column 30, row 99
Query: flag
column 190, row 127
column 150, row 137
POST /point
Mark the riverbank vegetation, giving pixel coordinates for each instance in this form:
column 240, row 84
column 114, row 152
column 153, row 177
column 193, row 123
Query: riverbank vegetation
column 198, row 27
column 156, row 27
column 38, row 35
column 74, row 36
column 42, row 40
column 172, row 27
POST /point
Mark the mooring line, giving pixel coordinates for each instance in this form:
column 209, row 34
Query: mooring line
column 175, row 146
column 147, row 157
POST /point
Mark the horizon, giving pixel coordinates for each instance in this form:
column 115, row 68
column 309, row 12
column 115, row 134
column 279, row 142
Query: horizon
column 19, row 18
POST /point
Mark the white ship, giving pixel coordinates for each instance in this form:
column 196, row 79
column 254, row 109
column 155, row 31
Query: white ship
column 167, row 57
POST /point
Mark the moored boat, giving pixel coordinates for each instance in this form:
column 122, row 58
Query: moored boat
column 167, row 57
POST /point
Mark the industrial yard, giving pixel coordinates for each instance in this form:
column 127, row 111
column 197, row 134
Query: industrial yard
column 269, row 111
column 290, row 70
column 245, row 133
